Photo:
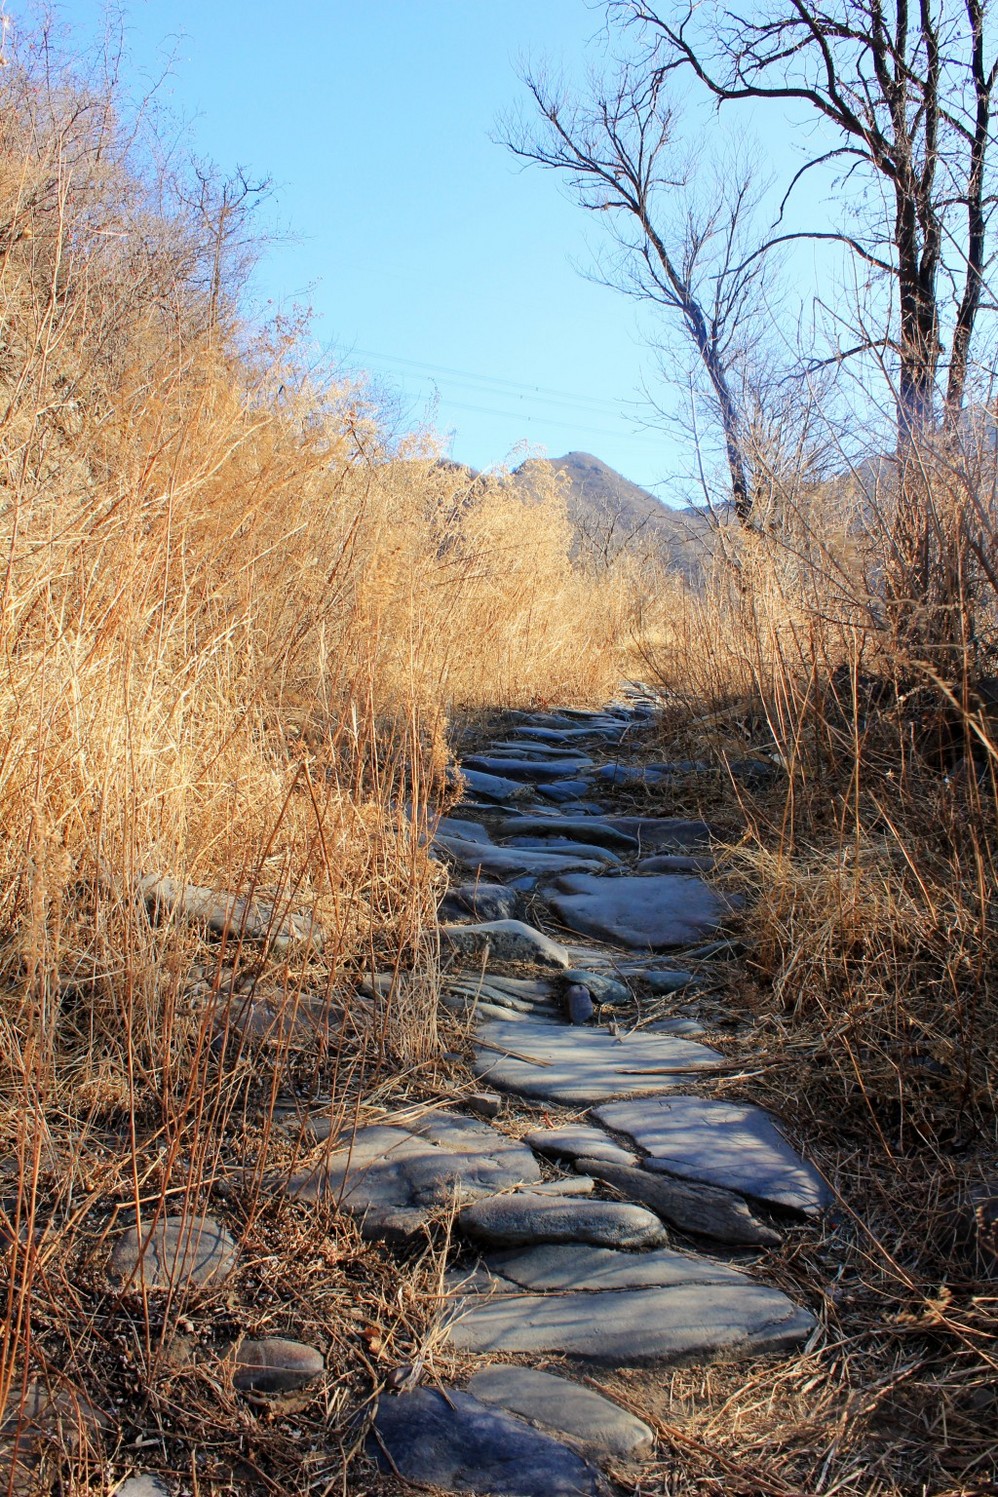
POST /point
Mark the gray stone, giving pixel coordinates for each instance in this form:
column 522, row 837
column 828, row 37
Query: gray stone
column 478, row 902
column 483, row 859
column 38, row 1428
column 142, row 1486
column 566, row 1408
column 504, row 942
column 483, row 1104
column 455, row 1444
column 668, row 982
column 566, row 1185
column 649, row 912
column 674, row 862
column 622, row 1309
column 582, row 828
column 564, row 792
column 690, row 1027
column 589, row 850
column 730, row 1144
column 631, row 776
column 604, row 989
column 579, row 1004
column 534, row 770
column 556, row 1063
column 704, row 1210
column 494, row 787
column 527, row 1217
column 664, row 833
column 178, row 1253
column 578, row 1141
column 274, row 1365
column 229, row 915
column 461, row 827
column 395, row 1178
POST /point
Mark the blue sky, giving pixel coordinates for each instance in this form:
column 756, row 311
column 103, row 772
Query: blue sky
column 428, row 256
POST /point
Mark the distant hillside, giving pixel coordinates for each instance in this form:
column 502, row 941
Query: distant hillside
column 611, row 514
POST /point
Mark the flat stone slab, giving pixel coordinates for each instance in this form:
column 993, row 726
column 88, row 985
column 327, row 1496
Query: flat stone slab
column 229, row 915
column 454, row 1443
column 578, row 1141
column 622, row 1309
column 274, row 1364
column 579, row 828
column 630, row 776
column 394, row 1178
column 463, row 828
column 527, row 1217
column 665, row 833
column 478, row 902
column 535, row 770
column 566, row 1408
column 590, row 850
column 649, row 913
column 178, row 1252
column 483, row 859
column 731, row 1144
column 704, row 1210
column 569, row 1065
column 495, row 787
column 504, row 943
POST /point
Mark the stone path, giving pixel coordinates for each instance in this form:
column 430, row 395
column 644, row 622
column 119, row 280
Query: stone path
column 597, row 1186
column 557, row 921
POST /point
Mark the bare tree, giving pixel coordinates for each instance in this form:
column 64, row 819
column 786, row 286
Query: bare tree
column 908, row 91
column 616, row 153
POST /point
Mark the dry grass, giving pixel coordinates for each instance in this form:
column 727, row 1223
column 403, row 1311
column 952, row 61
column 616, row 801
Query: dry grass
column 234, row 626
column 869, row 858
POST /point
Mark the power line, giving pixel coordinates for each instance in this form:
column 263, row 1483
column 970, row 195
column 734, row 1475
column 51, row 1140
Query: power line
column 506, row 386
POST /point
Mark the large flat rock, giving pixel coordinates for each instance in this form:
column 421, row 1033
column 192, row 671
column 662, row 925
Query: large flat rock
column 575, row 1066
column 650, row 913
column 566, row 1408
column 578, row 1141
column 495, row 787
column 177, row 1253
column 394, row 1178
column 590, row 850
column 703, row 1210
column 508, row 943
column 483, row 859
column 608, row 1309
column 534, row 770
column 527, row 1217
column 731, row 1144
column 453, row 1443
column 665, row 833
column 579, row 828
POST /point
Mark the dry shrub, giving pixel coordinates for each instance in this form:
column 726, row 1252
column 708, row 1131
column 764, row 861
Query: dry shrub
column 234, row 625
column 849, row 650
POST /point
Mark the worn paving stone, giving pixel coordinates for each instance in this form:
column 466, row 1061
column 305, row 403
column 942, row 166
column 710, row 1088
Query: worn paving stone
column 456, row 1444
column 665, row 833
column 604, row 989
column 566, row 1408
column 667, row 982
column 484, row 859
column 651, row 912
column 588, row 850
column 178, row 1252
column 630, row 776
column 565, row 792
column 143, row 1485
column 528, row 1217
column 504, row 943
column 578, row 1141
column 478, row 902
column 536, row 771
column 274, row 1364
column 675, row 862
column 492, row 787
column 461, row 827
column 579, row 828
column 229, row 915
column 569, row 1065
column 730, row 1144
column 394, row 1178
column 622, row 1309
column 704, row 1210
